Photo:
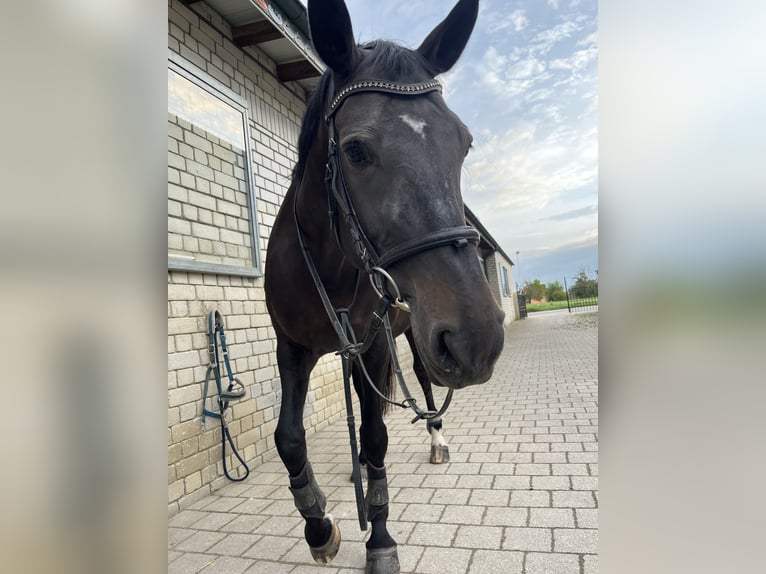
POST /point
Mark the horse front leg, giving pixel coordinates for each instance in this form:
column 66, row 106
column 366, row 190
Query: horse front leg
column 439, row 446
column 321, row 531
column 382, row 556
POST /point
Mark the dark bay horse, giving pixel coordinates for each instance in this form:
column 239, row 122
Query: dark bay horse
column 375, row 196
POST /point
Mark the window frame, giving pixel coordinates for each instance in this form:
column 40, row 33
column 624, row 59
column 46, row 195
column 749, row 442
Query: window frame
column 506, row 280
column 203, row 80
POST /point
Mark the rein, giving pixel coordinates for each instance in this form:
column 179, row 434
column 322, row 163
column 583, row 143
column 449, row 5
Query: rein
column 375, row 266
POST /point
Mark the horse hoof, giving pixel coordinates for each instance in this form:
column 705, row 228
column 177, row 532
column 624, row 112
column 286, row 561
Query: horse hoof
column 382, row 561
column 325, row 553
column 439, row 454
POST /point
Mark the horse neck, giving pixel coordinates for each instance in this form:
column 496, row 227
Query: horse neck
column 312, row 211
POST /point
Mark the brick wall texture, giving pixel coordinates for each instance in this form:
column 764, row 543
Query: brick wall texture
column 508, row 303
column 208, row 208
column 208, row 218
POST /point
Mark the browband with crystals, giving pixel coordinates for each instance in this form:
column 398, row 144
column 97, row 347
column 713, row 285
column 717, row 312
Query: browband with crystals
column 385, row 87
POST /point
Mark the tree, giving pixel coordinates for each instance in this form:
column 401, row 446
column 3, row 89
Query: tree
column 584, row 286
column 555, row 292
column 534, row 290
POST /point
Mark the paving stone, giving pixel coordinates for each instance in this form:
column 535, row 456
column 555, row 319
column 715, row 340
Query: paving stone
column 527, row 539
column 265, row 567
column 277, row 525
column 186, row 518
column 200, row 541
column 178, row 535
column 551, row 517
column 228, row 565
column 586, row 517
column 234, row 544
column 459, row 514
column 574, row 499
column 483, row 497
column 533, row 469
column 406, row 495
column 190, row 562
column 450, row 496
column 244, row 523
column 479, row 537
column 530, row 498
column 422, row 512
column 444, row 561
column 579, row 540
column 425, row 534
column 496, row 562
column 552, row 563
column 409, row 556
column 550, row 482
column 474, row 481
column 496, row 516
column 271, row 547
column 505, row 482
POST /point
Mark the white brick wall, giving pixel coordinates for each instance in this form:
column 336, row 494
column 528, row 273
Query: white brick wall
column 208, row 218
column 506, row 302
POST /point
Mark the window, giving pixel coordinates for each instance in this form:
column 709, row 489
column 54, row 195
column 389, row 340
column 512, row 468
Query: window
column 504, row 281
column 212, row 219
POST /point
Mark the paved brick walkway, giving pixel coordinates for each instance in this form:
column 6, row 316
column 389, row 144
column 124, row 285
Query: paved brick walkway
column 519, row 496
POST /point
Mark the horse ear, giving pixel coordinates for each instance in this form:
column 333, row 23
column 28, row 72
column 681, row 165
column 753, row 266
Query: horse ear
column 445, row 43
column 332, row 35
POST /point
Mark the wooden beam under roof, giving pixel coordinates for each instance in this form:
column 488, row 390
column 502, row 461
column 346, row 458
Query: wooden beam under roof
column 298, row 70
column 255, row 33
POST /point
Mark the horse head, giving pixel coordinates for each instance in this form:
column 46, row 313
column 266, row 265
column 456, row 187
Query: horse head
column 399, row 157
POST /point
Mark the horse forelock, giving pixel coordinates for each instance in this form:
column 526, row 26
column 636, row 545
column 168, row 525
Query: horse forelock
column 380, row 60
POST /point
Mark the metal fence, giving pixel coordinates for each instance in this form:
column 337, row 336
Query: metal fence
column 576, row 303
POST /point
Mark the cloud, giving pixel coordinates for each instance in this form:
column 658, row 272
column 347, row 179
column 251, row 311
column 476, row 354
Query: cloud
column 576, row 62
column 545, row 40
column 553, row 4
column 523, row 170
column 573, row 213
column 499, row 21
column 589, row 40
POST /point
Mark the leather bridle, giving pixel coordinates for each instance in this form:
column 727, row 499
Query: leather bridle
column 375, row 264
column 339, row 197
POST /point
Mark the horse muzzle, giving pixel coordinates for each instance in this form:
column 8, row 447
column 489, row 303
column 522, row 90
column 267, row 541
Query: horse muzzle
column 458, row 357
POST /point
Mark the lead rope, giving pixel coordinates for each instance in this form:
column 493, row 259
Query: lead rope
column 236, row 390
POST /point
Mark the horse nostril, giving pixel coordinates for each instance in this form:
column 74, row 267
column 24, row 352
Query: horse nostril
column 447, row 359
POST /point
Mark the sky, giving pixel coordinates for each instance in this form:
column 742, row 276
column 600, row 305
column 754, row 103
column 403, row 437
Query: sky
column 526, row 86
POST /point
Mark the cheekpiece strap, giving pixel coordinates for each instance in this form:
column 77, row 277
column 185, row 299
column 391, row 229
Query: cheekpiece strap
column 382, row 86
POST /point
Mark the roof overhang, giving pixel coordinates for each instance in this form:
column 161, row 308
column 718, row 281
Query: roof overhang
column 280, row 29
column 487, row 243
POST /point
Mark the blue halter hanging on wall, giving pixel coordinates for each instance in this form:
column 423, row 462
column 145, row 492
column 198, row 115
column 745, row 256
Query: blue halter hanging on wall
column 235, row 390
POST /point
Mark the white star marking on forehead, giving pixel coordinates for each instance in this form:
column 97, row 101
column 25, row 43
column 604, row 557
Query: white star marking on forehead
column 416, row 124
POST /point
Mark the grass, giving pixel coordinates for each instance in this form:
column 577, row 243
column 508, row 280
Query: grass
column 553, row 305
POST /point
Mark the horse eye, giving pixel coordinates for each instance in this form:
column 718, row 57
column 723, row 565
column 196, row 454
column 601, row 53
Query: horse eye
column 355, row 152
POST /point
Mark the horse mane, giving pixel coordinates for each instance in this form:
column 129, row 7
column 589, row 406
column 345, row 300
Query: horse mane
column 384, row 60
